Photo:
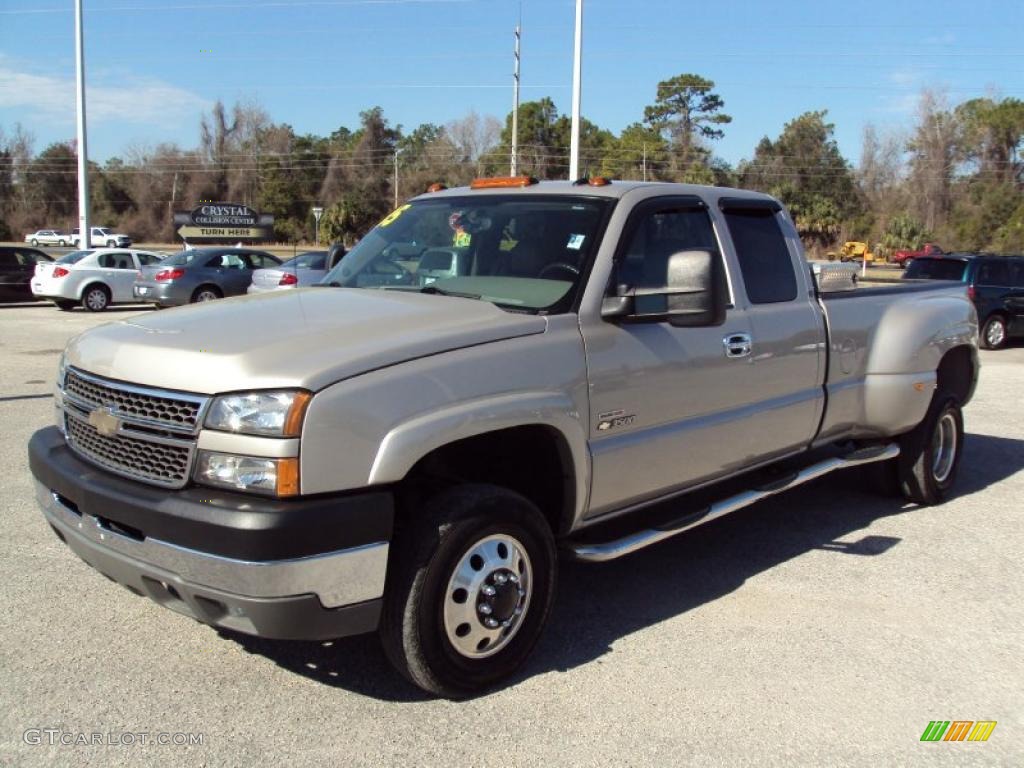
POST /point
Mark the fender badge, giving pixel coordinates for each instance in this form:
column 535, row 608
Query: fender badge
column 104, row 421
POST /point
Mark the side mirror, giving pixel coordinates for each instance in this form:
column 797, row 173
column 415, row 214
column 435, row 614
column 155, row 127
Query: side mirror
column 694, row 294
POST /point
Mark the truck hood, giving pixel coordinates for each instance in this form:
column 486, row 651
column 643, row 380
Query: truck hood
column 307, row 338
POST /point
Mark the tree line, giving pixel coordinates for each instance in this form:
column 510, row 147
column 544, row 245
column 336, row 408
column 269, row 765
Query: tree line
column 956, row 177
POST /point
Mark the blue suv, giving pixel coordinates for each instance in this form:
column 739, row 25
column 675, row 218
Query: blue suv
column 994, row 283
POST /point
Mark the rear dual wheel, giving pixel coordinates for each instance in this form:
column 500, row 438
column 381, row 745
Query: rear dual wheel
column 470, row 587
column 929, row 457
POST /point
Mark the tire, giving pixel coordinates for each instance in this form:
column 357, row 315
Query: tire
column 96, row 297
column 62, row 244
column 111, row 244
column 480, row 536
column 930, row 453
column 993, row 333
column 65, row 305
column 205, row 293
column 35, row 242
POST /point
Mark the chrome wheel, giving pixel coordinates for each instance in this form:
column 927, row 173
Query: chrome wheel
column 995, row 332
column 944, row 450
column 487, row 597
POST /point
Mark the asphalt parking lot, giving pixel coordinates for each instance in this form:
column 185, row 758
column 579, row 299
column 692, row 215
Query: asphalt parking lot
column 826, row 626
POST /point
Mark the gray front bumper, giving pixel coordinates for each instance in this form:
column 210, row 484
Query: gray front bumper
column 318, row 597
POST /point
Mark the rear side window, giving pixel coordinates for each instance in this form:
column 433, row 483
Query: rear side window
column 993, row 273
column 115, row 261
column 1017, row 273
column 764, row 258
column 935, row 269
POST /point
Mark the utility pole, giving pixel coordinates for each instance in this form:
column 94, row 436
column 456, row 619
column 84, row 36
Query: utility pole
column 397, row 153
column 515, row 101
column 577, row 73
column 83, row 155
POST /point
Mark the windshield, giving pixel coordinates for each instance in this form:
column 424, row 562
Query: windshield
column 102, row 230
column 521, row 251
column 73, row 258
column 935, row 269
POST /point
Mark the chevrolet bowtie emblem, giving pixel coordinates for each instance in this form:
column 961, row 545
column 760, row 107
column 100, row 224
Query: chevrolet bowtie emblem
column 105, row 422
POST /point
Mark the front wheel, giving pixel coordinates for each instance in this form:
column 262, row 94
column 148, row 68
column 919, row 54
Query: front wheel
column 470, row 585
column 993, row 334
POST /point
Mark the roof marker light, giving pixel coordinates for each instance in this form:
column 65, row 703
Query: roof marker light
column 499, row 182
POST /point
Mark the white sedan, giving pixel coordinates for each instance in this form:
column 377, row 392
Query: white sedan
column 48, row 237
column 95, row 279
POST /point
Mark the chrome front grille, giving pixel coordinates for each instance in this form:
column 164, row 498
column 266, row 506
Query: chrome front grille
column 158, row 463
column 147, row 434
column 175, row 411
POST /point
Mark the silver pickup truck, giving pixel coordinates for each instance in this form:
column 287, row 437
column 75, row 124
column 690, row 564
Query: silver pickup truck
column 492, row 375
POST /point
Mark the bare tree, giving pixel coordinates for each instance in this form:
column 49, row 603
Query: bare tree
column 881, row 175
column 474, row 136
column 934, row 156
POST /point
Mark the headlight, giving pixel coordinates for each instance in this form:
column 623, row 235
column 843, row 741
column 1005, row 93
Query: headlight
column 278, row 414
column 275, row 477
column 62, row 369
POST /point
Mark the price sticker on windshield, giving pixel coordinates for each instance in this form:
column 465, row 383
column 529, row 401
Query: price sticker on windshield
column 391, row 217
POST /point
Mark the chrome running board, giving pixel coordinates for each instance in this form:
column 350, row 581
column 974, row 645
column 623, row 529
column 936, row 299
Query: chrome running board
column 597, row 553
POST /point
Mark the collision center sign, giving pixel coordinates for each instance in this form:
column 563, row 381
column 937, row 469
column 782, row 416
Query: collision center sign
column 225, row 215
column 212, row 222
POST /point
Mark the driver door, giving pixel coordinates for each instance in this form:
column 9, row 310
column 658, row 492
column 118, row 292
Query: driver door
column 668, row 405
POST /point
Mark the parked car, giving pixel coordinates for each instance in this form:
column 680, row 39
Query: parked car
column 200, row 274
column 305, row 269
column 48, row 237
column 17, row 265
column 94, row 278
column 408, row 457
column 994, row 283
column 904, row 257
column 102, row 236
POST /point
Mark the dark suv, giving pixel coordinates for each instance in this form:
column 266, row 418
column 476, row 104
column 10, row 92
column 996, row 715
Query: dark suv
column 994, row 283
column 17, row 265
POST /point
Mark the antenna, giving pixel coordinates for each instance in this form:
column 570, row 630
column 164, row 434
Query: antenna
column 515, row 98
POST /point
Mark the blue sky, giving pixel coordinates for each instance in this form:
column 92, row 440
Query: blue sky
column 153, row 66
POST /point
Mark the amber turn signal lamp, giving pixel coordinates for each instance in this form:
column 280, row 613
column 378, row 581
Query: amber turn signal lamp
column 500, row 182
column 288, row 477
column 293, row 421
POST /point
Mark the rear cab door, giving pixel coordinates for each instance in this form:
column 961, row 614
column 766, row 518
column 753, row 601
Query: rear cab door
column 787, row 326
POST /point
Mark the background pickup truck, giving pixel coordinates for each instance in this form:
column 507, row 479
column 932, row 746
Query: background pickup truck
column 492, row 374
column 904, row 257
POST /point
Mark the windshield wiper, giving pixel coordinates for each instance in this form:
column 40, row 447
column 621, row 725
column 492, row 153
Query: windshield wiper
column 441, row 292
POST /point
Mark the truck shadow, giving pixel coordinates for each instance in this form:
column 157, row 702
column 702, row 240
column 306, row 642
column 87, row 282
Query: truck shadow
column 598, row 604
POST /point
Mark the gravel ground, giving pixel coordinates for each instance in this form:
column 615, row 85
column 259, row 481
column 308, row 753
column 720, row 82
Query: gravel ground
column 822, row 627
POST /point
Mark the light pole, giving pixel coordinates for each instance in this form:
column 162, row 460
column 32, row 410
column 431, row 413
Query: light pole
column 577, row 73
column 83, row 155
column 317, row 213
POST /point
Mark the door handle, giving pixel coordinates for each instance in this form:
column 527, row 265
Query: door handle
column 737, row 344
